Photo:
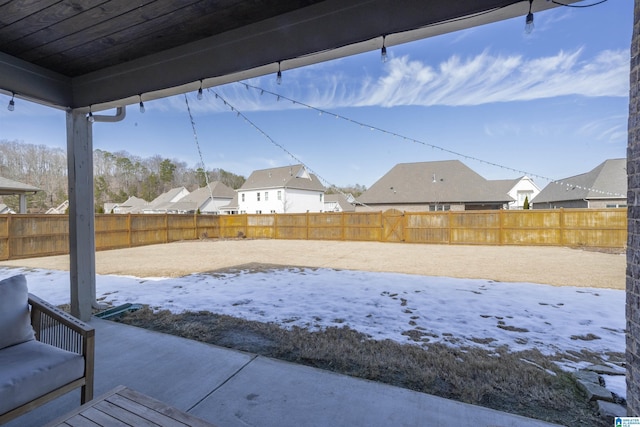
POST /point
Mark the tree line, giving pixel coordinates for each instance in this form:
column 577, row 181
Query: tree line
column 117, row 176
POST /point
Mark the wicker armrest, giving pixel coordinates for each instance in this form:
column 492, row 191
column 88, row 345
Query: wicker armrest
column 55, row 327
column 40, row 306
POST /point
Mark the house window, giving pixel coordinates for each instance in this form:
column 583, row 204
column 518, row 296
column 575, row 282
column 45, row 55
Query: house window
column 320, row 197
column 243, row 197
column 258, row 196
column 442, row 208
column 272, row 211
column 524, row 195
column 279, row 195
column 258, row 212
column 266, row 196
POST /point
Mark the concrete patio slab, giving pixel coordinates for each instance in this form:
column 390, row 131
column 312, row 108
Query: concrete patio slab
column 232, row 388
column 274, row 393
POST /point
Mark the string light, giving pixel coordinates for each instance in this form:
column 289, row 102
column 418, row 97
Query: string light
column 279, row 75
column 12, row 104
column 199, row 96
column 91, row 119
column 383, row 51
column 142, row 109
column 436, row 147
column 528, row 26
column 263, row 133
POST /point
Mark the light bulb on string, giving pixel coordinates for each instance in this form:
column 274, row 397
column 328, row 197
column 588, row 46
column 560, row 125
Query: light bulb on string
column 199, row 96
column 12, row 104
column 528, row 26
column 91, row 119
column 279, row 75
column 383, row 51
column 142, row 109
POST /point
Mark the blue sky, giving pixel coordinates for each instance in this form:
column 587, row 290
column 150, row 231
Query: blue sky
column 552, row 104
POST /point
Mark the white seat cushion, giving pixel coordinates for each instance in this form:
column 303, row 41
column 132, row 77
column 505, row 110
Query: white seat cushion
column 32, row 369
column 15, row 324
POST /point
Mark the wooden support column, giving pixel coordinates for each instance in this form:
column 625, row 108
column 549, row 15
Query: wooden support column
column 81, row 215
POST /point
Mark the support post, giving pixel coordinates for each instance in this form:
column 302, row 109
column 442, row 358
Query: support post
column 23, row 204
column 81, row 215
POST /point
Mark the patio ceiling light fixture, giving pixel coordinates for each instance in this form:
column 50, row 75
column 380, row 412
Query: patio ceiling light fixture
column 142, row 109
column 528, row 26
column 12, row 104
column 90, row 117
column 383, row 51
column 279, row 75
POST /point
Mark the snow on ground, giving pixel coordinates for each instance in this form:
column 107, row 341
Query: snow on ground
column 458, row 312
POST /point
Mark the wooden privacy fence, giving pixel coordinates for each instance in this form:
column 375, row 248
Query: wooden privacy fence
column 26, row 236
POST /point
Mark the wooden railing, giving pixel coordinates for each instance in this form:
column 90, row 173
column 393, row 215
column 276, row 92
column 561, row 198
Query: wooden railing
column 26, row 236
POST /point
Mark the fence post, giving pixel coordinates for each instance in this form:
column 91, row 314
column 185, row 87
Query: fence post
column 500, row 226
column 561, row 227
column 129, row 229
column 307, row 226
column 342, row 225
column 275, row 225
column 8, row 237
column 195, row 224
column 166, row 228
column 450, row 233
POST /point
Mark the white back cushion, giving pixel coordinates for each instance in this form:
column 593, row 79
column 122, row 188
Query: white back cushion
column 15, row 324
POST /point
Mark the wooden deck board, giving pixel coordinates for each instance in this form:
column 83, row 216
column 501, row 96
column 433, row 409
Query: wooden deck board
column 125, row 407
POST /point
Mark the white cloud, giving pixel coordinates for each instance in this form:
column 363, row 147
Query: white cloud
column 481, row 79
column 486, row 78
column 608, row 129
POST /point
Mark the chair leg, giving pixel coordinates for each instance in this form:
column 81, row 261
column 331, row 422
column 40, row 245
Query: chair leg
column 86, row 393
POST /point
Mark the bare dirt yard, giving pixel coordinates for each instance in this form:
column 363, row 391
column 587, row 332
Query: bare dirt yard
column 557, row 266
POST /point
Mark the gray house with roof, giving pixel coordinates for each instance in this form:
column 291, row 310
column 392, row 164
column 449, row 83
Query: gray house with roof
column 288, row 189
column 605, row 186
column 209, row 199
column 433, row 186
column 9, row 187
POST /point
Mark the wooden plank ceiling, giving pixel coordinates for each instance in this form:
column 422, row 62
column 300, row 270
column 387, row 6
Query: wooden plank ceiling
column 103, row 53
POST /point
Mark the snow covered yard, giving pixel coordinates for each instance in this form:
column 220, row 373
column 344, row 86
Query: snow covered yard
column 400, row 307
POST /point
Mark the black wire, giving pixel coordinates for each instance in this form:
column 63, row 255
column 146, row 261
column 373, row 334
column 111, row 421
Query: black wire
column 578, row 6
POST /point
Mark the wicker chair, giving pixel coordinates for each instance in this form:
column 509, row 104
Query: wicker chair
column 54, row 330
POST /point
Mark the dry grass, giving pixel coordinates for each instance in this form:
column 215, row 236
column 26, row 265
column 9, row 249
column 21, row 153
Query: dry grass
column 520, row 382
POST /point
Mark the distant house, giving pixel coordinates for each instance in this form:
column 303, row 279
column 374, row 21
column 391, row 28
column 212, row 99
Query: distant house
column 433, row 186
column 289, row 189
column 131, row 206
column 9, row 187
column 519, row 189
column 339, row 203
column 164, row 202
column 201, row 199
column 59, row 210
column 4, row 209
column 605, row 186
column 232, row 207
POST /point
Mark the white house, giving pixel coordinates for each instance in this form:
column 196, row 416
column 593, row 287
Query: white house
column 519, row 189
column 130, row 206
column 339, row 203
column 201, row 199
column 288, row 189
column 163, row 203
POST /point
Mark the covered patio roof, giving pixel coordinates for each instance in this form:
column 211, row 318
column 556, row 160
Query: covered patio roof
column 94, row 55
column 107, row 53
